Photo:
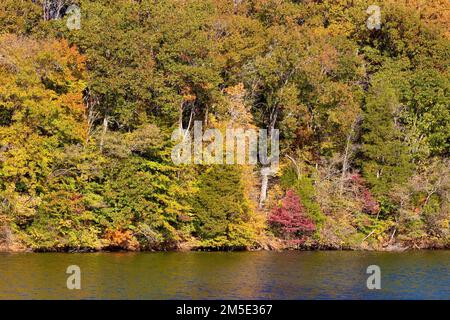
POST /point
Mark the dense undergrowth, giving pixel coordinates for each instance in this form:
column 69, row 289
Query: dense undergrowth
column 86, row 118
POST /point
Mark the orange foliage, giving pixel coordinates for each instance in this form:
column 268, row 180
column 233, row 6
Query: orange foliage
column 122, row 239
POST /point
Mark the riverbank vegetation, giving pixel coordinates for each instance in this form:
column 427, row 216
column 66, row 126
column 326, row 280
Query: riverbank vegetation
column 86, row 117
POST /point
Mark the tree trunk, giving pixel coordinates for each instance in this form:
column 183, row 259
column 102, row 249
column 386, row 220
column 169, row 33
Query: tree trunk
column 189, row 123
column 180, row 118
column 235, row 5
column 345, row 164
column 92, row 116
column 297, row 168
column 105, row 129
column 265, row 172
column 347, row 156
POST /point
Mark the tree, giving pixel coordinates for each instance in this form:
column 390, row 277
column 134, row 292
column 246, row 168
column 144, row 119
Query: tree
column 386, row 161
column 222, row 216
column 86, row 118
column 41, row 113
column 289, row 220
column 20, row 18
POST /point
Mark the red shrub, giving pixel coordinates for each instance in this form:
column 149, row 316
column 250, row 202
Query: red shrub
column 290, row 220
column 370, row 204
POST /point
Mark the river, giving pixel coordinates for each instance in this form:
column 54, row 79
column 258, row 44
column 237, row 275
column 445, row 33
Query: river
column 226, row 275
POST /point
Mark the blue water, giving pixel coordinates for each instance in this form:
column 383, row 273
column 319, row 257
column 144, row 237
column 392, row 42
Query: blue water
column 220, row 275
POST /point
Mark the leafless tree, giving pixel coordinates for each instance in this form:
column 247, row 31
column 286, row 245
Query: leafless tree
column 53, row 9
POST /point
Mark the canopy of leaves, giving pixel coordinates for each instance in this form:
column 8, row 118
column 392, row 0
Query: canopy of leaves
column 86, row 118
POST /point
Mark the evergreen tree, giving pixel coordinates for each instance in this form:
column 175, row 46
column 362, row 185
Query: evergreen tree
column 222, row 212
column 386, row 161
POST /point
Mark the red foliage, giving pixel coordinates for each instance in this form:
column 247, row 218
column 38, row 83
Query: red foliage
column 357, row 179
column 370, row 204
column 290, row 219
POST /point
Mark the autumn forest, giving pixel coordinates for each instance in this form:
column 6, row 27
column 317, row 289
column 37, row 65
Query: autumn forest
column 87, row 114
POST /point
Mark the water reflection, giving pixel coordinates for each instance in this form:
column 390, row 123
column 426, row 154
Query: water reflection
column 222, row 275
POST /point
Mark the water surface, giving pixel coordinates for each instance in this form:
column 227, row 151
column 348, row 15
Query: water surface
column 226, row 275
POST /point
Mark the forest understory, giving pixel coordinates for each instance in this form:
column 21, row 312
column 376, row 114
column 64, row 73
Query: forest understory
column 90, row 99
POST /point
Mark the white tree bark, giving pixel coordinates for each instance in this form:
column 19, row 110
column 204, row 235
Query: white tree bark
column 105, row 129
column 265, row 173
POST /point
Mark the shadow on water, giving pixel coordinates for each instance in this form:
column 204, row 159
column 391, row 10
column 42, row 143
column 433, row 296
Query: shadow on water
column 226, row 275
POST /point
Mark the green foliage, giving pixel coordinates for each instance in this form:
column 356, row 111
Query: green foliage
column 86, row 118
column 386, row 160
column 140, row 193
column 222, row 214
column 41, row 95
column 19, row 17
column 62, row 223
column 304, row 187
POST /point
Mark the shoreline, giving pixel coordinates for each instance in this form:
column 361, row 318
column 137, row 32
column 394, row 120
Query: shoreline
column 268, row 244
column 72, row 250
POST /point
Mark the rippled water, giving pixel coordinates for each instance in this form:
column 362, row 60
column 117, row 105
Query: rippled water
column 226, row 275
